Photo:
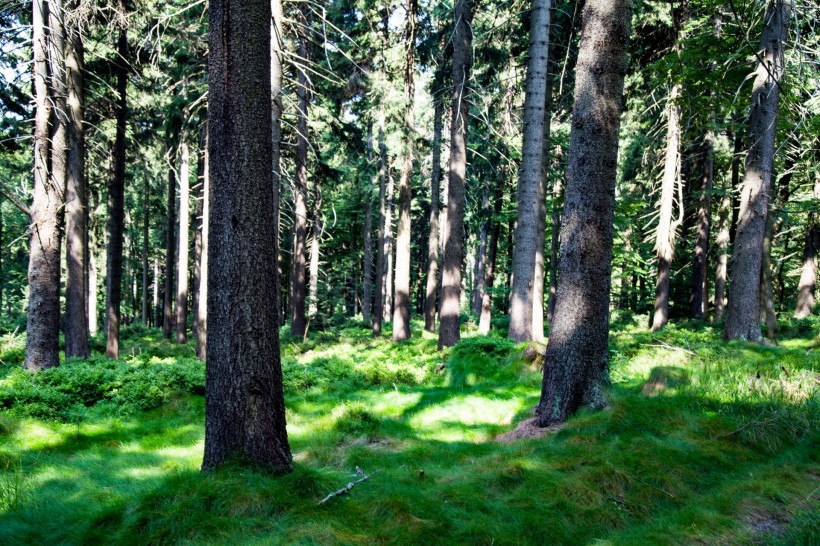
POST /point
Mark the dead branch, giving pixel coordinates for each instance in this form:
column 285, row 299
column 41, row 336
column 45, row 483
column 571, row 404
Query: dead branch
column 346, row 489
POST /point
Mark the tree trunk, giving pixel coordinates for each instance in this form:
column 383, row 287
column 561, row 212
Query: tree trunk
column 145, row 250
column 202, row 311
column 742, row 313
column 401, row 309
column 92, row 289
column 182, row 239
column 313, row 268
column 244, row 403
column 722, row 242
column 381, row 249
column 170, row 242
column 530, row 194
column 76, row 320
column 432, row 238
column 43, row 315
column 298, row 266
column 766, row 288
column 481, row 254
column 367, row 281
column 277, row 52
column 196, row 280
column 484, row 321
column 576, row 364
column 116, row 200
column 155, row 319
column 808, row 275
column 387, row 311
column 700, row 292
column 557, row 189
column 665, row 233
column 462, row 39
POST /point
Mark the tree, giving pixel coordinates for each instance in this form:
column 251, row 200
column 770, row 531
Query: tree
column 576, row 363
column 743, row 318
column 432, row 238
column 244, row 407
column 530, row 196
column 453, row 259
column 168, row 288
column 277, row 58
column 182, row 254
column 808, row 273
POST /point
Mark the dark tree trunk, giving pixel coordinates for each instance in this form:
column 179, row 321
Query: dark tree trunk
column 700, row 291
column 742, row 321
column 576, row 364
column 401, row 310
column 462, row 39
column 766, row 288
column 367, row 281
column 168, row 287
column 76, row 320
column 116, row 201
column 182, row 239
column 530, row 195
column 432, row 239
column 244, row 403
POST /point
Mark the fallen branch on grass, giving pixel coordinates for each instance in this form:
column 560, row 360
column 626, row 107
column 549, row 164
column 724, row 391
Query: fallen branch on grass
column 346, row 489
column 664, row 345
column 744, row 427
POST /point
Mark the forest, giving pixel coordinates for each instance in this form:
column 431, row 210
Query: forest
column 409, row 272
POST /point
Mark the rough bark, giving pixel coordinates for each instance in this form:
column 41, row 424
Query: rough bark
column 700, row 291
column 43, row 314
column 453, row 259
column 168, row 288
column 808, row 275
column 432, row 238
column 766, row 286
column 116, row 199
column 722, row 241
column 182, row 241
column 576, row 364
column 742, row 312
column 244, row 403
column 530, row 194
column 76, row 320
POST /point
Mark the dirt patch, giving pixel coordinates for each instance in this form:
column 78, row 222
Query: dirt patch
column 526, row 430
column 765, row 525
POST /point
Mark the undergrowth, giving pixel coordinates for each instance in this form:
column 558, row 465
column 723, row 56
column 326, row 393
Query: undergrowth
column 703, row 442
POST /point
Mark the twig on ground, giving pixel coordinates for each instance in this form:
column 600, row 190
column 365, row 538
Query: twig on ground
column 744, row 427
column 346, row 489
column 665, row 345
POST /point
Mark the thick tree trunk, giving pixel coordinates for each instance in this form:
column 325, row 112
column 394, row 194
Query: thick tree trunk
column 182, row 239
column 667, row 226
column 298, row 266
column 485, row 320
column 808, row 275
column 742, row 321
column 576, row 364
column 530, row 194
column 432, row 238
column 43, row 315
column 202, row 311
column 700, row 291
column 244, row 403
column 170, row 241
column 722, row 242
column 76, row 320
column 381, row 247
column 116, row 200
column 401, row 309
column 462, row 39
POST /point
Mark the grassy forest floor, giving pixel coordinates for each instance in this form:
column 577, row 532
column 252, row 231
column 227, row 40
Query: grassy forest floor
column 704, row 442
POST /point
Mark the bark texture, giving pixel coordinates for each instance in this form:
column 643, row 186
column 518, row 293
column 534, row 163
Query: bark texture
column 766, row 286
column 700, row 292
column 168, row 287
column 576, row 364
column 742, row 320
column 182, row 253
column 244, row 402
column 462, row 39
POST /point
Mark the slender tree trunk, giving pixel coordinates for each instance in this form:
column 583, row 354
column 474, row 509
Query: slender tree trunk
column 667, row 226
column 387, row 312
column 145, row 222
column 155, row 319
column 700, row 291
column 196, row 280
column 492, row 252
column 481, row 254
column 298, row 266
column 277, row 53
column 401, row 310
column 381, row 248
column 244, row 403
column 76, row 320
column 576, row 364
column 43, row 315
column 557, row 190
column 462, row 39
column 530, row 194
column 92, row 289
column 432, row 239
column 202, row 321
column 808, row 275
column 742, row 313
column 722, row 242
column 315, row 239
column 167, row 312
column 116, row 199
column 766, row 288
column 367, row 281
column 182, row 238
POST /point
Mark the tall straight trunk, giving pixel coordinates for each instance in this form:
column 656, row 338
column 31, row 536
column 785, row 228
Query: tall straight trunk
column 382, row 250
column 432, row 237
column 462, row 39
column 92, row 289
column 735, row 187
column 2, row 281
column 766, row 287
column 576, row 363
column 808, row 275
column 722, row 242
column 182, row 238
column 43, row 315
column 700, row 288
column 167, row 307
column 76, row 320
column 557, row 189
column 277, row 53
column 742, row 313
column 367, row 280
column 667, row 226
column 481, row 253
column 313, row 268
column 298, row 266
column 401, row 308
column 492, row 252
column 202, row 311
column 530, row 194
column 116, row 200
column 387, row 311
column 155, row 294
column 244, row 402
column 145, row 223
column 199, row 198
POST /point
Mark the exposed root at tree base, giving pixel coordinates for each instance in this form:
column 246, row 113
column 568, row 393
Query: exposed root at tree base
column 526, row 430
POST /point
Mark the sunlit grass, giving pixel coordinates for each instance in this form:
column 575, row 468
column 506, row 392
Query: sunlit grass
column 720, row 449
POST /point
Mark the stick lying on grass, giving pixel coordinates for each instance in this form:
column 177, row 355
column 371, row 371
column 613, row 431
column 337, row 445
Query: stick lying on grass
column 346, row 489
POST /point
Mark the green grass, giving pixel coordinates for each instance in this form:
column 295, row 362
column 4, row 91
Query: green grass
column 703, row 442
